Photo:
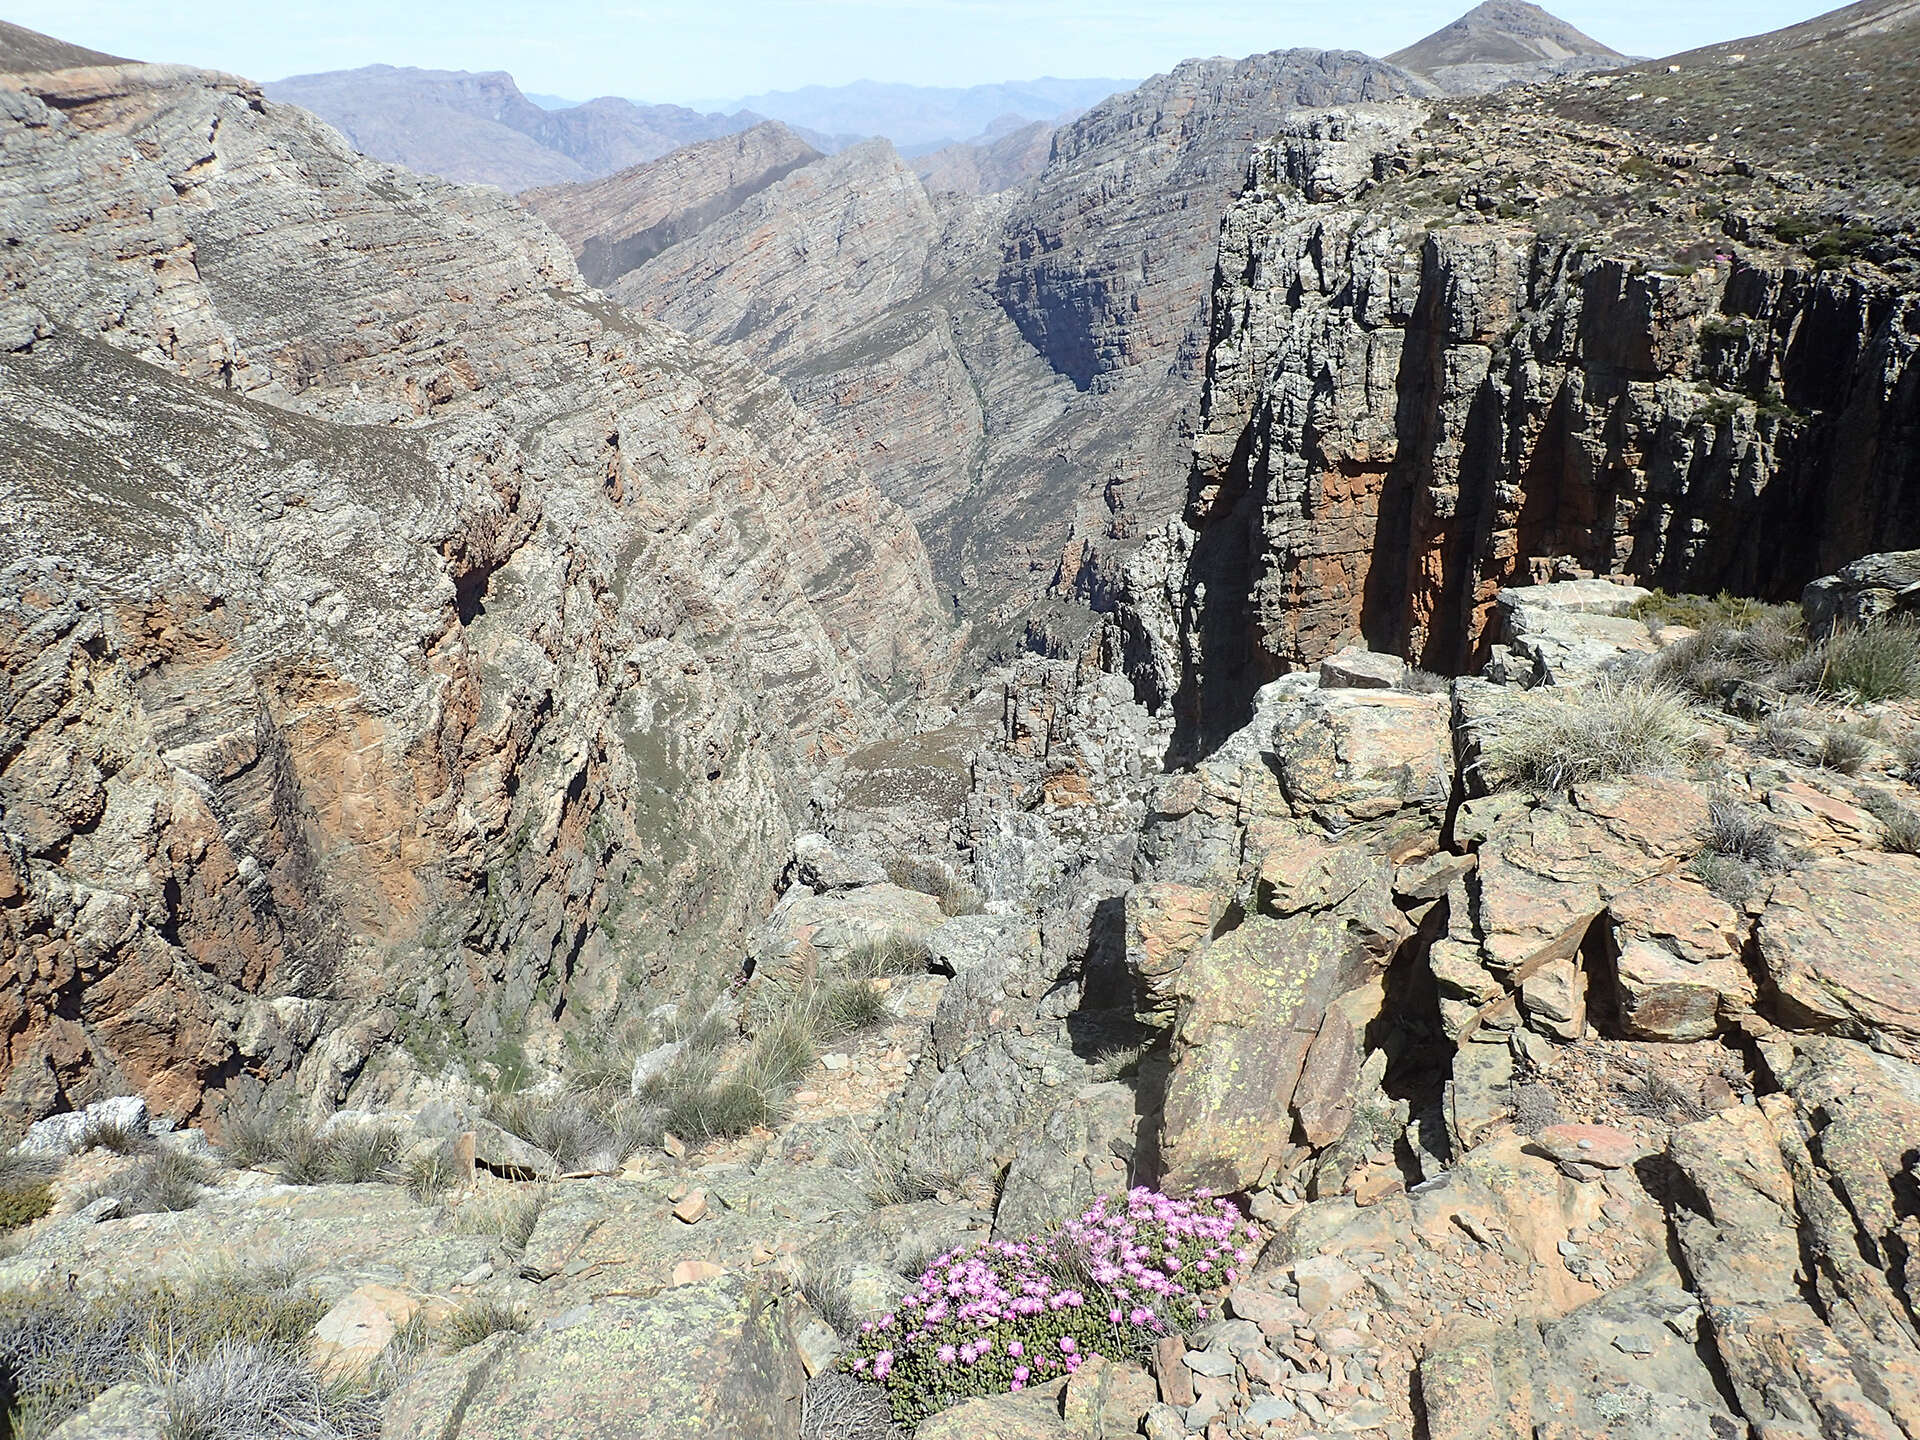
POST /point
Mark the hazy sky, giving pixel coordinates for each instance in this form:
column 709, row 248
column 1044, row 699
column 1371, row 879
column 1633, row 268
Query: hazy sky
column 675, row 50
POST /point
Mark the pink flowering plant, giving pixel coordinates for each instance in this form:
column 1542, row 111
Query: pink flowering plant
column 1008, row 1314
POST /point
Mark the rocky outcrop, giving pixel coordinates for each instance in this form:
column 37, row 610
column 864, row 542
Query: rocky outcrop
column 1425, row 382
column 402, row 645
column 619, row 223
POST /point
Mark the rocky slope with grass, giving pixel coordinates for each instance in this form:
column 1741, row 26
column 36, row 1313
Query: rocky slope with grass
column 1580, row 1093
column 407, row 652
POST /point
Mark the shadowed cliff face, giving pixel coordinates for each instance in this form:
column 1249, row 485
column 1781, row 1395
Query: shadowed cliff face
column 401, row 646
column 1405, row 410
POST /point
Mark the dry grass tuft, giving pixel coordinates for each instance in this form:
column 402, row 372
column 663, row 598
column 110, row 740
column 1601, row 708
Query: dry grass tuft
column 1595, row 732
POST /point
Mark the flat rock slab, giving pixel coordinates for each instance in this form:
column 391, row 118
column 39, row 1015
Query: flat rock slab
column 702, row 1360
column 1837, row 940
column 343, row 1237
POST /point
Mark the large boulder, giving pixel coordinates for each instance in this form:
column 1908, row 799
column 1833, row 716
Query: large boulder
column 1569, row 630
column 710, row 1360
column 1871, row 587
column 1166, row 923
column 1265, row 1007
column 1350, row 755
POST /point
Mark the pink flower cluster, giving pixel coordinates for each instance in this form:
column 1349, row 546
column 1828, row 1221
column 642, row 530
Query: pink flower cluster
column 1007, row 1314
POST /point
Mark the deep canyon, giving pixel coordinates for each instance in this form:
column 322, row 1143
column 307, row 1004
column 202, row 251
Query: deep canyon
column 1067, row 621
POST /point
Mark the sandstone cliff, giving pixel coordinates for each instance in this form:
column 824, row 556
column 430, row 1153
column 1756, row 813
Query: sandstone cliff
column 1452, row 351
column 403, row 644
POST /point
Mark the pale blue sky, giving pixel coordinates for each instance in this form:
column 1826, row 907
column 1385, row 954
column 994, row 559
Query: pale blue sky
column 675, row 50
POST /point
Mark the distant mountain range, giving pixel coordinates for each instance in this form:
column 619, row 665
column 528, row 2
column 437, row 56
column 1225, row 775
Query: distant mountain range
column 482, row 128
column 972, row 139
column 925, row 117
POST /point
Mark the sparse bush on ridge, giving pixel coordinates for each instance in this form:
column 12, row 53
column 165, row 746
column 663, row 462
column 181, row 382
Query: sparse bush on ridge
column 1595, row 732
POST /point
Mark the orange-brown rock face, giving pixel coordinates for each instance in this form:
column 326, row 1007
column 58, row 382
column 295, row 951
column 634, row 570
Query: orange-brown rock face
column 399, row 643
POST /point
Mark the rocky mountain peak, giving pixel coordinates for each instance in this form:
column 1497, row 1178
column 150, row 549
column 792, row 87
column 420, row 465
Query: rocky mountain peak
column 1501, row 42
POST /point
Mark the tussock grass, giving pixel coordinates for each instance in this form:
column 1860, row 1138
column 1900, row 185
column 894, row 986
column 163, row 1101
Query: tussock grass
column 59, row 1350
column 503, row 1210
column 1880, row 661
column 248, row 1391
column 161, row 1181
column 429, row 1174
column 478, row 1319
column 956, row 895
column 1743, row 846
column 824, row 1288
column 1596, row 732
column 560, row 1124
column 1901, row 822
column 900, row 953
column 116, row 1137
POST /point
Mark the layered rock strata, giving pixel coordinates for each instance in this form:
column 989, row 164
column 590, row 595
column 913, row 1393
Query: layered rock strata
column 403, row 645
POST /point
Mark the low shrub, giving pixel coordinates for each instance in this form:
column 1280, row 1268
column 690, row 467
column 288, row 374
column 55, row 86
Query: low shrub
column 1727, row 876
column 1001, row 1316
column 1597, row 732
column 26, row 1188
column 1701, row 612
column 476, row 1320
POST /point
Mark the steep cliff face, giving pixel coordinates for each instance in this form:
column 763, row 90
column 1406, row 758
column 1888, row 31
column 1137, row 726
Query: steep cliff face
column 400, row 643
column 619, row 223
column 1451, row 353
column 1104, row 264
